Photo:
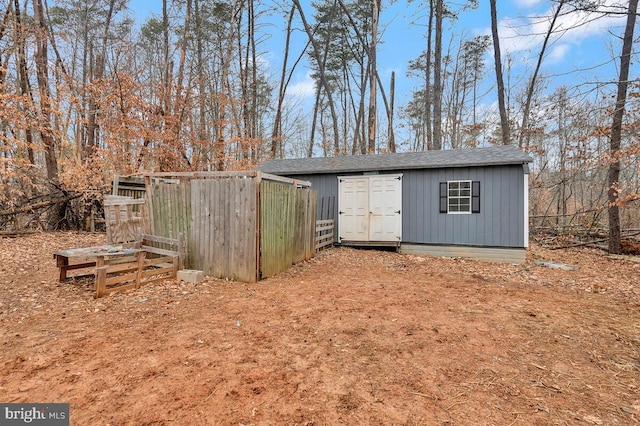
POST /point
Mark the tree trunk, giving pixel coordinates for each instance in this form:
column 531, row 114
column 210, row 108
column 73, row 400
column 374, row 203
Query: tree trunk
column 3, row 31
column 225, row 86
column 3, row 74
column 42, row 73
column 323, row 80
column 373, row 72
column 360, row 141
column 180, row 102
column 428, row 101
column 92, row 125
column 437, row 79
column 616, row 131
column 532, row 82
column 23, row 76
column 166, row 90
column 248, row 86
column 366, row 76
column 392, row 94
column 97, row 68
column 200, row 162
column 504, row 118
column 57, row 216
column 254, row 86
column 243, row 67
column 314, row 121
column 276, row 135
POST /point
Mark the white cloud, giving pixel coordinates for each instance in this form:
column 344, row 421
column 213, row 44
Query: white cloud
column 527, row 3
column 580, row 25
column 264, row 61
column 303, row 87
column 528, row 33
column 558, row 53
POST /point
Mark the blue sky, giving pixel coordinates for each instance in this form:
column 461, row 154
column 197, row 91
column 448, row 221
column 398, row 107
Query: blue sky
column 585, row 54
column 585, row 51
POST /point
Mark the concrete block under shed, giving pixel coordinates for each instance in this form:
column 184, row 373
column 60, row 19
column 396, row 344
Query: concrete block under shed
column 191, row 275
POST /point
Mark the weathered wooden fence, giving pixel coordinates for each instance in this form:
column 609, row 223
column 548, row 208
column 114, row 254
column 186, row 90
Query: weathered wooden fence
column 324, row 233
column 128, row 186
column 237, row 225
column 287, row 226
column 125, row 218
column 123, row 188
column 223, row 237
column 304, row 224
column 169, row 204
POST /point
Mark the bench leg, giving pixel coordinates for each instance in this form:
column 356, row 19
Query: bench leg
column 63, row 263
column 176, row 266
column 141, row 257
column 101, row 278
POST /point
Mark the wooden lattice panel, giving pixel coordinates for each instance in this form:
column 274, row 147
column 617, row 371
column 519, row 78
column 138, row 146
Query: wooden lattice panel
column 125, row 218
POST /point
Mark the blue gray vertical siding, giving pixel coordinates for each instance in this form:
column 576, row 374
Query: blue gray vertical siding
column 327, row 186
column 500, row 222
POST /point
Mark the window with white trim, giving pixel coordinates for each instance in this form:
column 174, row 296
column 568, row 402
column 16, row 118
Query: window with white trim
column 460, row 197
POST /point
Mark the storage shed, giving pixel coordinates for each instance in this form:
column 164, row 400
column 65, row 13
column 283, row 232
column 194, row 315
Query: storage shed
column 467, row 203
column 238, row 225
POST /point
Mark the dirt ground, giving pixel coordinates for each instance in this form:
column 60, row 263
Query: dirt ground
column 351, row 337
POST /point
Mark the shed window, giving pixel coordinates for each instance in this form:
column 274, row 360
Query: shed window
column 460, row 197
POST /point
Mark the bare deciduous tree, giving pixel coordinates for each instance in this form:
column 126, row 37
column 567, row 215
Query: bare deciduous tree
column 616, row 130
column 504, row 116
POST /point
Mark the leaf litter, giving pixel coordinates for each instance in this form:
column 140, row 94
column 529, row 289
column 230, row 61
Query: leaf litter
column 349, row 337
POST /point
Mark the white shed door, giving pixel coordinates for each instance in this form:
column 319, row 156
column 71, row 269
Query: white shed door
column 353, row 204
column 370, row 208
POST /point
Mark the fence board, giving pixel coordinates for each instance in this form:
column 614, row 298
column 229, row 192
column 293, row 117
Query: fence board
column 277, row 213
column 128, row 186
column 324, row 233
column 303, row 238
column 242, row 217
column 170, row 209
column 299, row 242
column 311, row 224
column 201, row 233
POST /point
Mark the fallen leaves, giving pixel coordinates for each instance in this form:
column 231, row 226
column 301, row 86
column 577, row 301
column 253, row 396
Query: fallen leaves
column 352, row 336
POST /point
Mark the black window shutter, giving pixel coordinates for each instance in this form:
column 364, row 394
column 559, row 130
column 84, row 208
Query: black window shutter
column 475, row 196
column 443, row 197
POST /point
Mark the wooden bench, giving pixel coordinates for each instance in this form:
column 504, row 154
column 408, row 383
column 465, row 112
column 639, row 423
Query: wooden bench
column 126, row 266
column 90, row 257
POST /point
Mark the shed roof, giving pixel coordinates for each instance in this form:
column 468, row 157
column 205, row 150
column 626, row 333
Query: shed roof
column 490, row 156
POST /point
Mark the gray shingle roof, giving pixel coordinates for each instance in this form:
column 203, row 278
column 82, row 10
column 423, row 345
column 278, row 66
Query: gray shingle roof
column 497, row 155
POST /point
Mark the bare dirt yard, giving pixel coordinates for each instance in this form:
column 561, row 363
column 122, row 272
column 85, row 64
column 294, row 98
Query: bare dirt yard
column 351, row 337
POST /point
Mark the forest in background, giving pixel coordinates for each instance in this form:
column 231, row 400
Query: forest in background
column 88, row 92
